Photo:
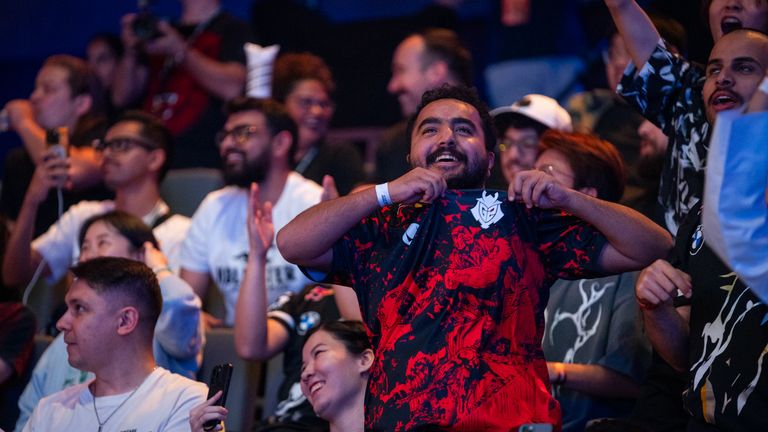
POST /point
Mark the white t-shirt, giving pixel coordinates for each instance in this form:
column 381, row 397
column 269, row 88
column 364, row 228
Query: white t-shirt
column 161, row 404
column 60, row 246
column 217, row 242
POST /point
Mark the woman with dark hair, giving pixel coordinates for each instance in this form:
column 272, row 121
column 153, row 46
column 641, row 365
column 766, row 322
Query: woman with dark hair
column 178, row 338
column 337, row 360
column 304, row 84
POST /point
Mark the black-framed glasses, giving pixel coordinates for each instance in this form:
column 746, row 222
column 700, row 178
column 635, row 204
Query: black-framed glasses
column 522, row 144
column 240, row 134
column 121, row 144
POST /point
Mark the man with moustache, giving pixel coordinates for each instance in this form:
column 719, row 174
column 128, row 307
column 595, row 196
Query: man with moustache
column 666, row 89
column 135, row 155
column 257, row 146
column 452, row 284
column 720, row 338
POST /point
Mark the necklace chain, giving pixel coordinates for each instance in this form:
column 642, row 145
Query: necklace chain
column 96, row 411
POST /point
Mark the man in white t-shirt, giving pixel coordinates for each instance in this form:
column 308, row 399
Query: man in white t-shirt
column 135, row 155
column 112, row 308
column 256, row 146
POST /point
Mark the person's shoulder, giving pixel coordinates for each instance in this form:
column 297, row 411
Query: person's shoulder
column 221, row 198
column 172, row 382
column 175, row 222
column 67, row 397
column 92, row 207
column 297, row 186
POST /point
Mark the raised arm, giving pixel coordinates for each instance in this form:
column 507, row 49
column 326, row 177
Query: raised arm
column 224, row 80
column 22, row 120
column 636, row 28
column 21, row 260
column 256, row 336
column 634, row 241
column 309, row 238
column 131, row 75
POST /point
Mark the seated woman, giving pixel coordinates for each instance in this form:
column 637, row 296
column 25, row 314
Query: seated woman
column 178, row 340
column 337, row 358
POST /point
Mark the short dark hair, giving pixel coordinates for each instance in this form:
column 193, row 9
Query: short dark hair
column 595, row 163
column 462, row 93
column 274, row 112
column 442, row 44
column 350, row 333
column 80, row 79
column 154, row 132
column 291, row 68
column 129, row 226
column 126, row 283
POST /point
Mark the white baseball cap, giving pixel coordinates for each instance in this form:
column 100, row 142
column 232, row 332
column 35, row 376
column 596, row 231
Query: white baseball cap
column 543, row 109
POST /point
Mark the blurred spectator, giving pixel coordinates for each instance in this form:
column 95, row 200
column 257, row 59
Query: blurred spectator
column 103, row 53
column 520, row 127
column 256, row 144
column 67, row 94
column 135, row 154
column 304, row 84
column 183, row 73
column 596, row 352
column 421, row 62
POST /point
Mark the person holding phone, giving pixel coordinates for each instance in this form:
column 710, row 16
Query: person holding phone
column 113, row 307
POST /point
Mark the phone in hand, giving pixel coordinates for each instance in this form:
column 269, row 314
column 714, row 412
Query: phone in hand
column 220, row 377
column 57, row 140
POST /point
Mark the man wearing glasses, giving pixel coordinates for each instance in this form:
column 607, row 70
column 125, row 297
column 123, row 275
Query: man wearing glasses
column 520, row 126
column 135, row 155
column 256, row 145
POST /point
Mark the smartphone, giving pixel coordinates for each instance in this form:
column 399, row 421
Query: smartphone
column 535, row 427
column 219, row 381
column 58, row 139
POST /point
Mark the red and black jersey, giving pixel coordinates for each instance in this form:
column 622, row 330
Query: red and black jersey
column 453, row 295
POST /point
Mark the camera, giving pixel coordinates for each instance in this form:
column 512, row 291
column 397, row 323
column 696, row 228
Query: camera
column 145, row 24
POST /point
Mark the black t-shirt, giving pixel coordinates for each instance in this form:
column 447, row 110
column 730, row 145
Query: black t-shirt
column 453, row 295
column 300, row 313
column 728, row 382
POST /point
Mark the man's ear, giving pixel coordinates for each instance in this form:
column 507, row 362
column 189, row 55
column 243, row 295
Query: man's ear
column 127, row 320
column 491, row 158
column 365, row 361
column 156, row 160
column 589, row 191
column 83, row 104
column 281, row 144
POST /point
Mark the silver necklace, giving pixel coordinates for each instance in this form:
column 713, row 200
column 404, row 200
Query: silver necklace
column 98, row 420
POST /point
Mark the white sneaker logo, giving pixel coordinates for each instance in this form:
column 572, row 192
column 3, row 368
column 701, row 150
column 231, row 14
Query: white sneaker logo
column 487, row 211
column 410, row 233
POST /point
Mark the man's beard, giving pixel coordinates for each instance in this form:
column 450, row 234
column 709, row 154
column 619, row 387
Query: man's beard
column 473, row 175
column 253, row 171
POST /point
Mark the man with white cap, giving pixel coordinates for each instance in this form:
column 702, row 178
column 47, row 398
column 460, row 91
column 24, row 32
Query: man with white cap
column 520, row 126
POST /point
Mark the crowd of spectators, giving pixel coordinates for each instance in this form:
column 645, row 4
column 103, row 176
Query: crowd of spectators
column 587, row 260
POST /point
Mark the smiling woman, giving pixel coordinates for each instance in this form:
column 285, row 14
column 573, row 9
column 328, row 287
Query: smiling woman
column 337, row 359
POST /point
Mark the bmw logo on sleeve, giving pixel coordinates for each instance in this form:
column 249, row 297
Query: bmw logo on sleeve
column 307, row 322
column 697, row 241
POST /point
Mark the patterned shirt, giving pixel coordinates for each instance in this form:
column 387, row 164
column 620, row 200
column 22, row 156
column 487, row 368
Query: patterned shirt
column 667, row 91
column 453, row 295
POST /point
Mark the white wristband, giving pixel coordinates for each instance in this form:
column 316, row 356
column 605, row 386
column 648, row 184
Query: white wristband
column 382, row 194
column 763, row 85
